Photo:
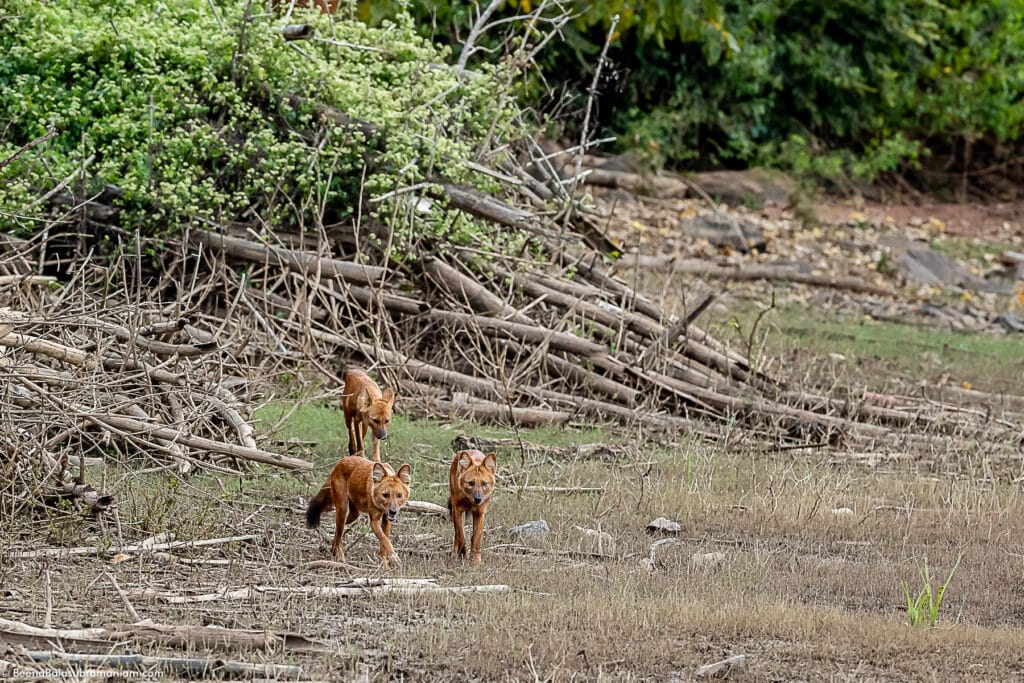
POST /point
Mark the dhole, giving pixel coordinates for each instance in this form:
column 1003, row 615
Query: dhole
column 366, row 407
column 470, row 484
column 357, row 485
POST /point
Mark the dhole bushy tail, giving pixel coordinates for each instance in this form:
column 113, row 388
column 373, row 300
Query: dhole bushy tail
column 317, row 506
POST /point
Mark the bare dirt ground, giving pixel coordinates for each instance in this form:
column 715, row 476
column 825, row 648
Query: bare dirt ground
column 998, row 222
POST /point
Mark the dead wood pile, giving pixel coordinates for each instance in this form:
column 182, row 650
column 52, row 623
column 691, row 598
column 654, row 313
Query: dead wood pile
column 90, row 372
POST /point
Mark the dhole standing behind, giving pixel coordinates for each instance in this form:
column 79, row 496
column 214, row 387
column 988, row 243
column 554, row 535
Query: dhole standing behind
column 366, row 407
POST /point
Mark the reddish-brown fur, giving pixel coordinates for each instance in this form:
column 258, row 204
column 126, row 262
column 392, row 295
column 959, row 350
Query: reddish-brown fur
column 470, row 484
column 357, row 485
column 366, row 407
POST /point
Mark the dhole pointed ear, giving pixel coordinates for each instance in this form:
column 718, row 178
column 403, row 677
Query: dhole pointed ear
column 364, row 400
column 378, row 472
column 405, row 474
column 464, row 460
column 491, row 462
column 388, row 395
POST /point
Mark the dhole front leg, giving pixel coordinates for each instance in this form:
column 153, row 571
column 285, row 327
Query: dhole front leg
column 359, row 427
column 459, row 520
column 376, row 449
column 478, row 535
column 387, row 551
column 352, row 440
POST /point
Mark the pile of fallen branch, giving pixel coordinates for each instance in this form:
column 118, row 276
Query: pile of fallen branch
column 83, row 376
column 547, row 336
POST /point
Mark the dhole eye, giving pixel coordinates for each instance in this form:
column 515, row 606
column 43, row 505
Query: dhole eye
column 386, row 496
column 399, row 496
column 472, row 483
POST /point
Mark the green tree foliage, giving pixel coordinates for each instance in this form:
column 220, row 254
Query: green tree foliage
column 183, row 105
column 832, row 88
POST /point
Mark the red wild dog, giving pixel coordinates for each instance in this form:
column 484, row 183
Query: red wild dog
column 470, row 484
column 366, row 407
column 357, row 485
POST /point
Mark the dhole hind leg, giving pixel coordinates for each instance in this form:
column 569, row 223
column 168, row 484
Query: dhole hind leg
column 339, row 491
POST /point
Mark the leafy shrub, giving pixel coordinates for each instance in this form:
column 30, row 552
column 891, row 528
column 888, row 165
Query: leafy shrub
column 843, row 88
column 185, row 109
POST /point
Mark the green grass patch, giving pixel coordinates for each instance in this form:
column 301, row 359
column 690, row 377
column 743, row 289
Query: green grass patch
column 885, row 348
column 425, row 444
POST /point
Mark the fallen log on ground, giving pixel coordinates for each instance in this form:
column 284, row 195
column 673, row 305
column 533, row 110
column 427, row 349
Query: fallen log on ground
column 183, row 636
column 753, row 271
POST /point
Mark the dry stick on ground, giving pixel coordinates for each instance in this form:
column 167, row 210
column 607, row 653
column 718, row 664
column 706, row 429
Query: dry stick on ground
column 133, row 548
column 171, row 635
column 428, row 587
column 190, row 667
column 460, row 286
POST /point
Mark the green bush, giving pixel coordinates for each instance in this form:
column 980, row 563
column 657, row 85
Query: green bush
column 834, row 89
column 185, row 110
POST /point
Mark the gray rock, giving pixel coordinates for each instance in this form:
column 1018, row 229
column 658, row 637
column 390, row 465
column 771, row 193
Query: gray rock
column 927, row 267
column 535, row 529
column 740, row 187
column 663, row 525
column 725, row 230
column 1011, row 321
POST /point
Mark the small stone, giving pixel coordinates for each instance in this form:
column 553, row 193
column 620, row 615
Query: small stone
column 842, row 512
column 535, row 529
column 663, row 525
column 598, row 540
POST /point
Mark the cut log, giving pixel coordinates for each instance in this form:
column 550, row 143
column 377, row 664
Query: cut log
column 134, row 548
column 188, row 667
column 521, row 332
column 482, row 409
column 383, row 587
column 754, row 271
column 462, row 287
column 302, row 262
